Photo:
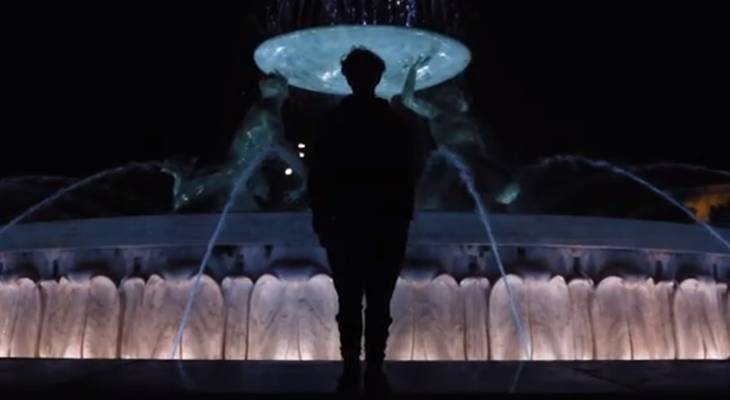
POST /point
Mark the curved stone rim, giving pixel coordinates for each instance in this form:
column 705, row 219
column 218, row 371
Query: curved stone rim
column 276, row 46
column 437, row 228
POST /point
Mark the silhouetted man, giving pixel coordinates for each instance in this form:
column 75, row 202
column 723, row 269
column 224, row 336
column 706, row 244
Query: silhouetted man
column 361, row 185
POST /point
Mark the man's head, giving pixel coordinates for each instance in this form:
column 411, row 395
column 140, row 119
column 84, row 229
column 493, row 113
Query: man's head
column 363, row 70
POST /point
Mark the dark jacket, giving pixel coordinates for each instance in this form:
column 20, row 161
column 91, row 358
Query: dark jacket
column 363, row 164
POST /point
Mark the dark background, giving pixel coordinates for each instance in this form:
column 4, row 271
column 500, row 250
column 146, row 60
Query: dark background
column 93, row 87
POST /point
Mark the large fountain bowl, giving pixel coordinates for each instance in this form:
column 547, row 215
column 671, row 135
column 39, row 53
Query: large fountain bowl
column 310, row 58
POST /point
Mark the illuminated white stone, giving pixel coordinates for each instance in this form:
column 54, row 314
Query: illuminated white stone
column 81, row 318
column 63, row 322
column 475, row 292
column 428, row 320
column 203, row 335
column 504, row 341
column 610, row 322
column 101, row 332
column 700, row 329
column 581, row 296
column 153, row 310
column 544, row 310
column 293, row 319
column 727, row 306
column 152, row 315
column 8, row 313
column 131, row 293
column 310, row 59
column 20, row 318
column 548, row 303
column 648, row 313
column 237, row 295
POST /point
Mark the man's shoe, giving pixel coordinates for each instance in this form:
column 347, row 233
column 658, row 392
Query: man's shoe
column 349, row 382
column 376, row 382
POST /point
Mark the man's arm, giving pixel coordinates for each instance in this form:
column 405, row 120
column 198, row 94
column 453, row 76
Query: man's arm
column 315, row 179
column 320, row 183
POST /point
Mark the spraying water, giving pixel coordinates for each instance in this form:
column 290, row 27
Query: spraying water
column 35, row 179
column 240, row 183
column 621, row 171
column 369, row 12
column 468, row 179
column 690, row 167
column 86, row 181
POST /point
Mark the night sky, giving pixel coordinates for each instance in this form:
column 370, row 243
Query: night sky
column 91, row 88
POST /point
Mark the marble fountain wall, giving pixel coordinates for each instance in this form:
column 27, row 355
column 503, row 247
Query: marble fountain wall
column 587, row 289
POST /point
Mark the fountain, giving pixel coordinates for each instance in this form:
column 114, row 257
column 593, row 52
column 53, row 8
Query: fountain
column 70, row 188
column 620, row 171
column 468, row 179
column 256, row 286
column 239, row 183
column 310, row 59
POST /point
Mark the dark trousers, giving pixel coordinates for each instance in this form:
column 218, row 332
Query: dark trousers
column 366, row 257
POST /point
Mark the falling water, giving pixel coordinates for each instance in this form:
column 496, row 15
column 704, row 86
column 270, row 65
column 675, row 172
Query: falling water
column 411, row 14
column 468, row 179
column 86, row 181
column 400, row 12
column 36, row 179
column 364, row 7
column 330, row 8
column 287, row 15
column 240, row 183
column 621, row 171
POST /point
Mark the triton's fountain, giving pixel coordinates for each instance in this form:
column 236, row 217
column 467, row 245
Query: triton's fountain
column 529, row 287
column 586, row 288
column 310, row 59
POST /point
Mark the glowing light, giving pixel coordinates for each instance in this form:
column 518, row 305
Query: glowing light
column 312, row 57
column 288, row 171
column 704, row 203
column 302, row 146
column 301, row 155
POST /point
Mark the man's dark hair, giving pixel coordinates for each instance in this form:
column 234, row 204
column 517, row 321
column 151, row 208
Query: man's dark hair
column 361, row 59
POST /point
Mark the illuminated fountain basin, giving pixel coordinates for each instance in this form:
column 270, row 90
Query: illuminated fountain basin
column 587, row 289
column 310, row 59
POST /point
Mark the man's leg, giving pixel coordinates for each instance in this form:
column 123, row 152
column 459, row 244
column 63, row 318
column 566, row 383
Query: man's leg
column 380, row 284
column 349, row 287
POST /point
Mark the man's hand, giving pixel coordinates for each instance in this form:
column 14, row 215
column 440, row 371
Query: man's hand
column 323, row 225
